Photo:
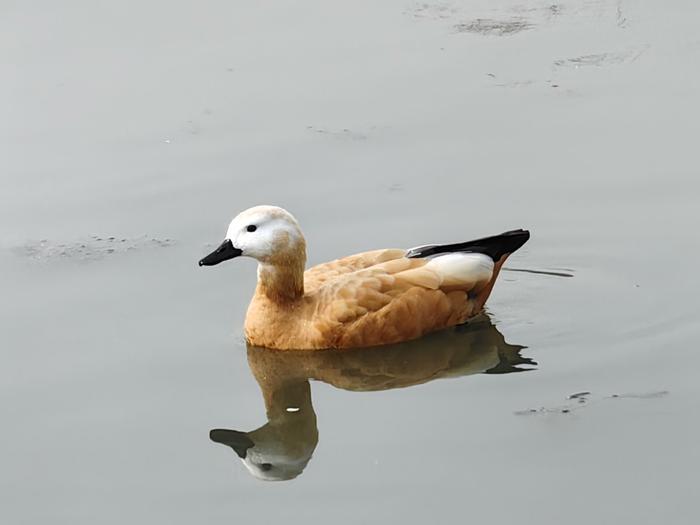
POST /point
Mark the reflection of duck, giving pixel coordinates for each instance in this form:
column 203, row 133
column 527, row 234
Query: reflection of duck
column 368, row 299
column 281, row 449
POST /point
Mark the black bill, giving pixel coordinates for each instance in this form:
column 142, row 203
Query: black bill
column 238, row 441
column 223, row 253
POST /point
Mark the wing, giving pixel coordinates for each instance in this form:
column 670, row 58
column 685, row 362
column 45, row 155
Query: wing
column 398, row 299
column 321, row 274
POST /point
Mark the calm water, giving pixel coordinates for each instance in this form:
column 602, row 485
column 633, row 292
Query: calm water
column 134, row 131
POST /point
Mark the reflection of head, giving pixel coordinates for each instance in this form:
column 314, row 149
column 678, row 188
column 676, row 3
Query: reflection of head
column 267, row 458
column 281, row 449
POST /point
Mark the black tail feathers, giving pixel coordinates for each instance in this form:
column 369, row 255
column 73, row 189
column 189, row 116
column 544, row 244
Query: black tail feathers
column 495, row 247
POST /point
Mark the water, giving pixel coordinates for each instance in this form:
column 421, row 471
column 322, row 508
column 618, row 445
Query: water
column 385, row 125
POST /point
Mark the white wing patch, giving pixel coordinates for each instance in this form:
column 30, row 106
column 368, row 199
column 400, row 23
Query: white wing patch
column 462, row 269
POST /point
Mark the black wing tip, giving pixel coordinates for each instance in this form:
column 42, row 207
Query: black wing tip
column 495, row 247
column 519, row 237
column 521, row 233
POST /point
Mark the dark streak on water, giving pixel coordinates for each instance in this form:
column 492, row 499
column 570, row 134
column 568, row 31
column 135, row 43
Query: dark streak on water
column 539, row 272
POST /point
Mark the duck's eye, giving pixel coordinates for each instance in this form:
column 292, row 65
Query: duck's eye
column 251, row 227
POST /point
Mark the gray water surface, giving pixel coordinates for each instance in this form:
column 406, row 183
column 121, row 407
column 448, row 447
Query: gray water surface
column 133, row 132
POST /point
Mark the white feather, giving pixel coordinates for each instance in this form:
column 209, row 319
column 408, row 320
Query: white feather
column 462, row 268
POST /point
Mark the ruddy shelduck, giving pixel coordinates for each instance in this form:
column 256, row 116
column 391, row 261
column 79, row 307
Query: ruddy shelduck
column 368, row 299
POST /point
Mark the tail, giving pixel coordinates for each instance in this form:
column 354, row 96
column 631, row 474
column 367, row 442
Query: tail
column 495, row 247
column 498, row 248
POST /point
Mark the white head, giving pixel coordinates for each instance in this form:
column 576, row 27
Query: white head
column 282, row 447
column 267, row 233
column 273, row 452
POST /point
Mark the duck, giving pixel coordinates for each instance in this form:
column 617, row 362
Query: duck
column 281, row 448
column 373, row 298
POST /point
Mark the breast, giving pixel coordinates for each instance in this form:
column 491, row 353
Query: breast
column 282, row 326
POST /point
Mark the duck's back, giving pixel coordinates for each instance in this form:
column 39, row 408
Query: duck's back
column 397, row 299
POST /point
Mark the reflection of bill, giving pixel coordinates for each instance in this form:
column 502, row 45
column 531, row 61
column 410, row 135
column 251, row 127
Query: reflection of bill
column 282, row 447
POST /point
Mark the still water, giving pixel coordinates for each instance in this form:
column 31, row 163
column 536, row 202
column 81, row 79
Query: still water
column 134, row 131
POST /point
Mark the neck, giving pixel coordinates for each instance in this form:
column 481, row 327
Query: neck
column 282, row 281
column 290, row 400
